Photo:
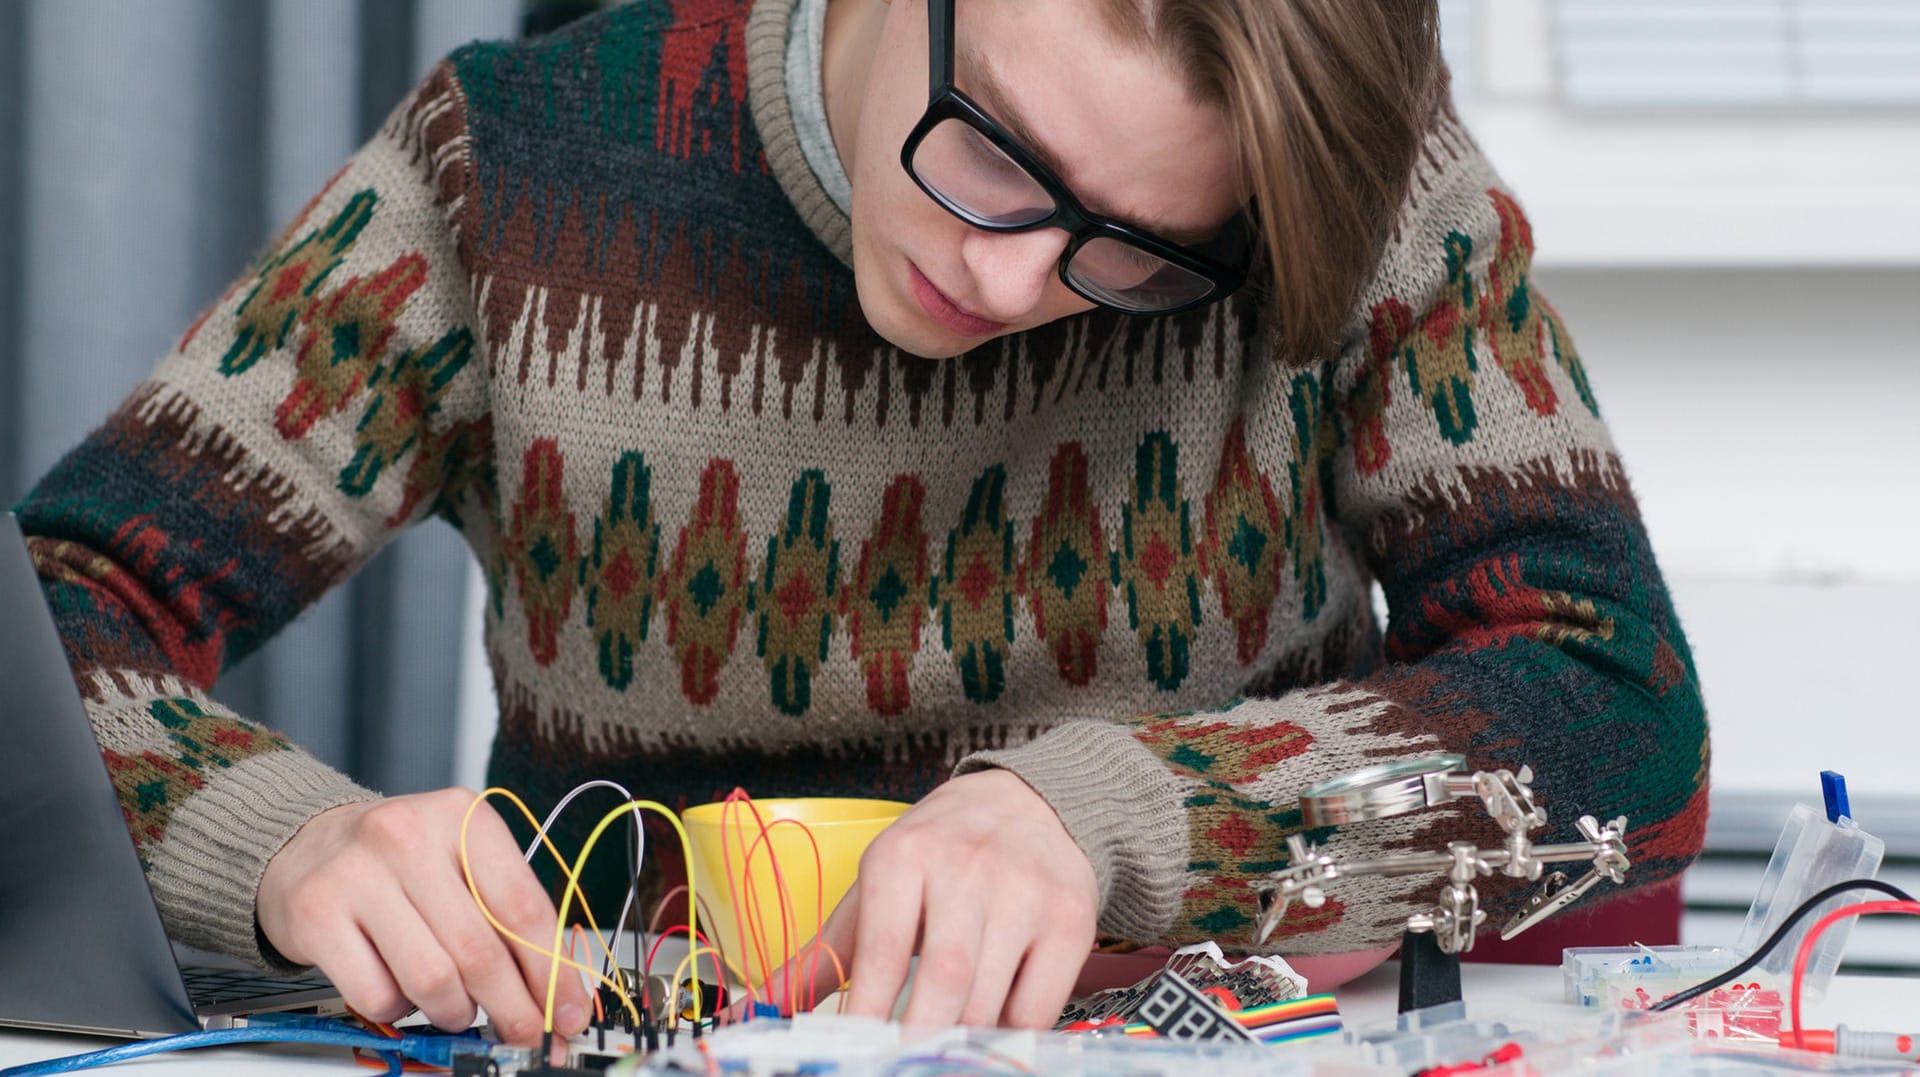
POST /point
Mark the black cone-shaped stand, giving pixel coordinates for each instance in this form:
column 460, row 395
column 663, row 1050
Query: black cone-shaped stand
column 1428, row 976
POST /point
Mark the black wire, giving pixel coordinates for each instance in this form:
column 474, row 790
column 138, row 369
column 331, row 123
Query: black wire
column 1779, row 933
column 639, row 914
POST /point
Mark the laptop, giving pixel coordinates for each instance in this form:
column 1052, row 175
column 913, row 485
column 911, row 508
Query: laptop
column 82, row 948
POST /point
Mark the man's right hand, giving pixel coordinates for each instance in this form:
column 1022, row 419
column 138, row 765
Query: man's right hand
column 372, row 893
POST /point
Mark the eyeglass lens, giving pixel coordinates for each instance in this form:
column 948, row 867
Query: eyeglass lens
column 981, row 184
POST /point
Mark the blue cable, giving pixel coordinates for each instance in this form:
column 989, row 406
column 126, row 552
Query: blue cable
column 424, row 1048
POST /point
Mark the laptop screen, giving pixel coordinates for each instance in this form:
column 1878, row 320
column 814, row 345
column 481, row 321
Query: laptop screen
column 81, row 943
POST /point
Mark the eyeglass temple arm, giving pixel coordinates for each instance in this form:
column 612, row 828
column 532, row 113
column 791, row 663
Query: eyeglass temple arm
column 939, row 46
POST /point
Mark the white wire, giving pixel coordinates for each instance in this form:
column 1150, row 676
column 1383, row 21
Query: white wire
column 639, row 841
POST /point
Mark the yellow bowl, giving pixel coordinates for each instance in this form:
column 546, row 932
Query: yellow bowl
column 843, row 827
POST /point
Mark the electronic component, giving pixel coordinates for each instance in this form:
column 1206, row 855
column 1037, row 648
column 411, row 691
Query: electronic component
column 618, row 1016
column 823, row 1044
column 494, row 1060
column 709, row 998
column 1254, row 981
column 1594, row 975
column 1174, row 1009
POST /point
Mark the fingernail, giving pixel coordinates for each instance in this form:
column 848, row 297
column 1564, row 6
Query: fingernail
column 573, row 1019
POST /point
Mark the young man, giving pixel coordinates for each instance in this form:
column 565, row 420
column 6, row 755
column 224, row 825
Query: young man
column 840, row 394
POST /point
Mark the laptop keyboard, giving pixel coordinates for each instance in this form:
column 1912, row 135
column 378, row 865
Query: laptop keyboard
column 213, row 986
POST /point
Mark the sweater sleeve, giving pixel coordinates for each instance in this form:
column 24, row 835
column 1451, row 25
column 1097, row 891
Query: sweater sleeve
column 1457, row 447
column 330, row 398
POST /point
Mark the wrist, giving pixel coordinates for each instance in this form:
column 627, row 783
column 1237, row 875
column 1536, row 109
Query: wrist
column 1121, row 807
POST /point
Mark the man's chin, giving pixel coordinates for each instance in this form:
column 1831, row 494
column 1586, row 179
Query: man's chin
column 928, row 351
column 914, row 336
column 898, row 321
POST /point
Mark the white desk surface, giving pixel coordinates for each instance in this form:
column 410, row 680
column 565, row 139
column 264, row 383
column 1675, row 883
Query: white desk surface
column 1878, row 1003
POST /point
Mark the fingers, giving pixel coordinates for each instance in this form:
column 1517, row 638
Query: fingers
column 419, row 963
column 509, row 980
column 883, row 935
column 488, row 972
column 373, row 893
column 813, row 974
column 362, row 978
column 953, row 934
column 1001, row 949
column 1046, row 978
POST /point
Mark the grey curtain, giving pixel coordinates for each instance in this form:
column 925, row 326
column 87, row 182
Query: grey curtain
column 148, row 150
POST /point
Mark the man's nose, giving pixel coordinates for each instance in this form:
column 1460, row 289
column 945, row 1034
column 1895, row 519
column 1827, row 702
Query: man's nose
column 1012, row 270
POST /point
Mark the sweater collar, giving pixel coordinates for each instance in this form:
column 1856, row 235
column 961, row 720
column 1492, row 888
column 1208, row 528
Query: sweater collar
column 773, row 116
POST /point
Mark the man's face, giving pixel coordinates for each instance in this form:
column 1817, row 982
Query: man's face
column 1117, row 122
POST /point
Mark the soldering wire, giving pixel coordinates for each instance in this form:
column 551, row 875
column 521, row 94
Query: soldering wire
column 573, row 887
column 556, row 959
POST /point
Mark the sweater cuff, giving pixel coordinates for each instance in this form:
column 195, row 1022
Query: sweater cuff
column 205, row 875
column 1123, row 807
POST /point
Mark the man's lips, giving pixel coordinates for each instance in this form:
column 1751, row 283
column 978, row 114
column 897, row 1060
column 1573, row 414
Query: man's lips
column 946, row 311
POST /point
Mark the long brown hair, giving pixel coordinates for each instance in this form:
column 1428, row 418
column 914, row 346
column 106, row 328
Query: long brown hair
column 1329, row 100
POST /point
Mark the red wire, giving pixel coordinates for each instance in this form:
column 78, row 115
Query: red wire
column 1863, row 908
column 749, row 911
column 742, row 920
column 779, row 888
column 819, row 900
column 700, row 939
column 750, row 905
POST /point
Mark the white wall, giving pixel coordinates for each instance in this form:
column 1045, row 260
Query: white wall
column 1770, row 420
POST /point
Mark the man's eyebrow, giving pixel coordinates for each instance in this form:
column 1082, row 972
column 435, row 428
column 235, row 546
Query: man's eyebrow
column 993, row 96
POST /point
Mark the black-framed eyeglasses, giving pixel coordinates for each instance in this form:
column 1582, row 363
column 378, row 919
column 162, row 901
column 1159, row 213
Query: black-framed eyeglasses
column 969, row 164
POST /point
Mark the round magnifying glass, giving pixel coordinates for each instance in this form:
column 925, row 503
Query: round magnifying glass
column 1382, row 791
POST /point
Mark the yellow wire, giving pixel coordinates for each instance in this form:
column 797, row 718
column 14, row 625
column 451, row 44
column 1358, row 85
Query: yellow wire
column 555, row 957
column 599, row 935
column 673, row 999
column 719, row 959
column 573, row 887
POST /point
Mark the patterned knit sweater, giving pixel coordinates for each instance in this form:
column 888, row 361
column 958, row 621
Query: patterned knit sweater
column 582, row 298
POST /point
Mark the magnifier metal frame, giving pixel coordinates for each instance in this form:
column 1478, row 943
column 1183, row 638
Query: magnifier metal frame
column 1387, row 790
